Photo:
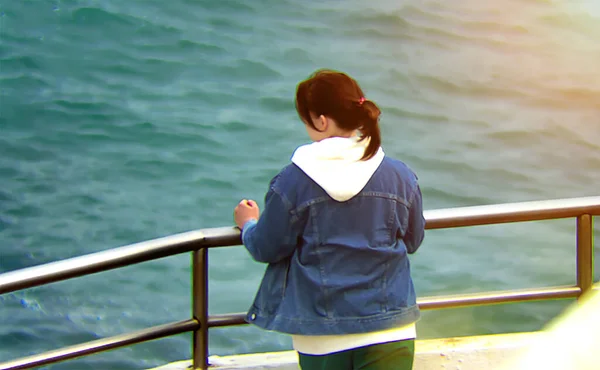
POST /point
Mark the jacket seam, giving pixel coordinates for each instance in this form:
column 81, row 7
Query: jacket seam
column 370, row 194
column 413, row 194
column 358, row 319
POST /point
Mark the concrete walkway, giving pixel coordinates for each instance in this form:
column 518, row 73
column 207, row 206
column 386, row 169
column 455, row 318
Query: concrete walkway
column 570, row 341
column 464, row 353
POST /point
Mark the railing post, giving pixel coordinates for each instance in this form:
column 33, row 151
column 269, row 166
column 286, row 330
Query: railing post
column 200, row 308
column 585, row 253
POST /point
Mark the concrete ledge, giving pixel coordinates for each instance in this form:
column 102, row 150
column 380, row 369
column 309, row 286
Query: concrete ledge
column 463, row 353
column 570, row 341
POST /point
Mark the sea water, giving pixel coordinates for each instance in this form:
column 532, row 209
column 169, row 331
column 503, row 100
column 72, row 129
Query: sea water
column 123, row 121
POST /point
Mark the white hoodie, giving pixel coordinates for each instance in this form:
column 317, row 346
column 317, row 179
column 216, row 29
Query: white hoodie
column 335, row 165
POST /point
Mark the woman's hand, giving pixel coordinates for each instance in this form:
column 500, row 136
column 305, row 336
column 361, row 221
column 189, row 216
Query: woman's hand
column 245, row 211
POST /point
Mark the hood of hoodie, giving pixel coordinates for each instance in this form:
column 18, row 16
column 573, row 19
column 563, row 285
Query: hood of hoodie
column 335, row 165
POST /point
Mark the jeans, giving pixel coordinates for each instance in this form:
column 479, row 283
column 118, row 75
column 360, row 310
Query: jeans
column 397, row 355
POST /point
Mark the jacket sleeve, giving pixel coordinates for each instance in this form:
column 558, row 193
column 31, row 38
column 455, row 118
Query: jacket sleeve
column 274, row 236
column 416, row 222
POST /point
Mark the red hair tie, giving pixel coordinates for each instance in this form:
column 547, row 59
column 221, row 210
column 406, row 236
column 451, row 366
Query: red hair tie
column 361, row 100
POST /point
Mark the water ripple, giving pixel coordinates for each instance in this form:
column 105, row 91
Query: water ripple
column 122, row 121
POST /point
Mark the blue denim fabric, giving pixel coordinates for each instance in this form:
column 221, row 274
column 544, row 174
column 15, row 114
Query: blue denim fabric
column 337, row 267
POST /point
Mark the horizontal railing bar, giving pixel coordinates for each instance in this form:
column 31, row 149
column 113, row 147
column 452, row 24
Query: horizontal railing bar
column 117, row 257
column 450, row 301
column 238, row 319
column 488, row 298
column 511, row 212
column 228, row 236
column 101, row 345
column 230, row 319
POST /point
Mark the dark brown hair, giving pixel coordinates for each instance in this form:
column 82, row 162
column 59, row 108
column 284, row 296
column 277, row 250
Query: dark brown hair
column 336, row 95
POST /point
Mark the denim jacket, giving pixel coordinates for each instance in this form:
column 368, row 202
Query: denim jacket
column 337, row 267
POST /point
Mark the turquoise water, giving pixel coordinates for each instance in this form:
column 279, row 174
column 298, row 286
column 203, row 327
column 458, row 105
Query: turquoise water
column 122, row 121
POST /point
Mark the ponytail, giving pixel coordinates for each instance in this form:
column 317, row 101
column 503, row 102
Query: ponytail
column 369, row 114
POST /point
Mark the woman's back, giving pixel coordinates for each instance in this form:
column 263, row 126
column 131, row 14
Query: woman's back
column 351, row 257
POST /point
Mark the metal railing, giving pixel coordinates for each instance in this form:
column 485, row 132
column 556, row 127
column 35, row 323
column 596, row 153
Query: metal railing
column 198, row 242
